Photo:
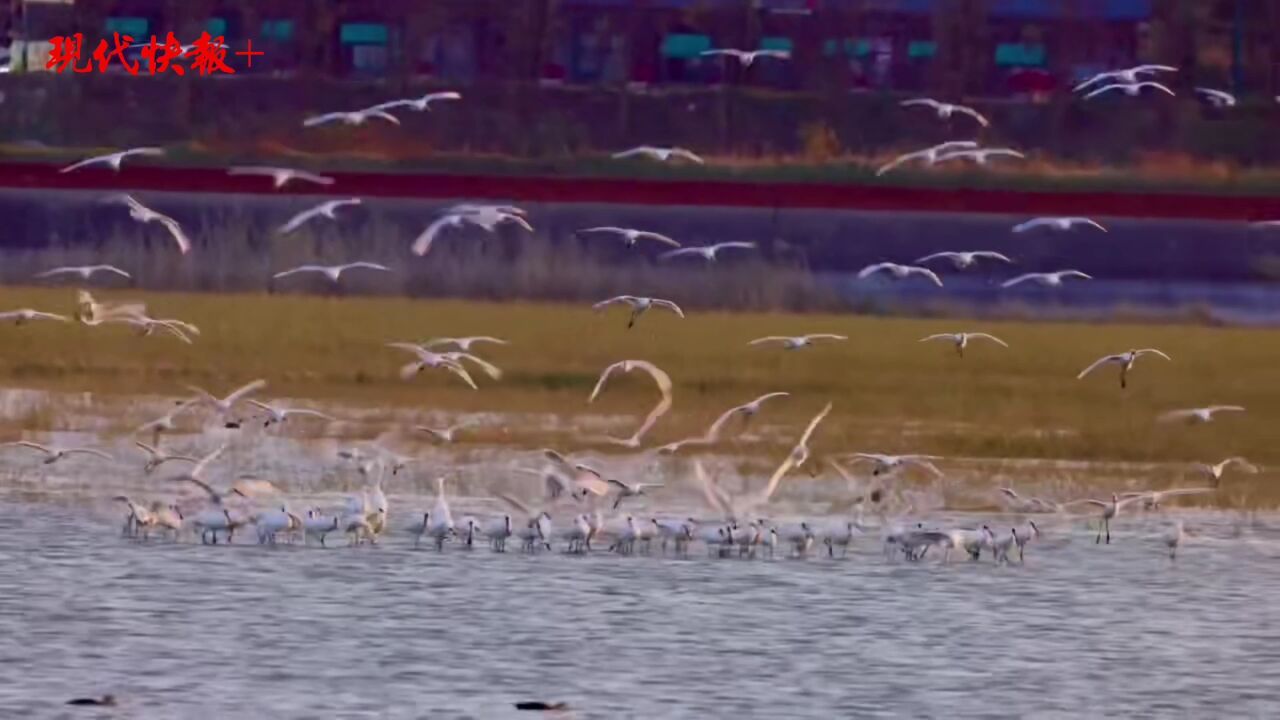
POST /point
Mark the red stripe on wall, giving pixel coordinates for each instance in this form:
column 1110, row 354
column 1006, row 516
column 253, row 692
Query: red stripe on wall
column 662, row 192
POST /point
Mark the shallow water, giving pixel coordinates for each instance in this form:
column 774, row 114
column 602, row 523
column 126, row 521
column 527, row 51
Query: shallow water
column 183, row 630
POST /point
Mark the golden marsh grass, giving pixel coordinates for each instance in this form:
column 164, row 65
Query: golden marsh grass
column 891, row 392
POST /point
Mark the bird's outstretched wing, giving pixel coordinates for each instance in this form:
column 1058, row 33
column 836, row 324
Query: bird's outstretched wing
column 927, row 102
column 687, row 155
column 246, row 389
column 323, row 119
column 298, row 220
column 991, row 254
column 175, row 230
column 604, row 378
column 659, row 237
column 990, row 337
column 628, row 299
column 1105, row 360
column 937, row 256
column 641, row 150
column 973, row 114
column 872, row 269
column 1021, row 279
column 422, row 244
column 668, row 305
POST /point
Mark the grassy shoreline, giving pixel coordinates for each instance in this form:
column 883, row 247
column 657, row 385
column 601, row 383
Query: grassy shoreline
column 891, row 392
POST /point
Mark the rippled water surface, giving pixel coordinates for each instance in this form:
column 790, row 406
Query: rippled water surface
column 183, row 630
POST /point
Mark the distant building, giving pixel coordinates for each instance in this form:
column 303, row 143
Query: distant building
column 895, row 44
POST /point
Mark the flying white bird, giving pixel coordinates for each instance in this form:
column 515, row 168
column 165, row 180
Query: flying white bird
column 327, row 209
column 663, row 382
column 580, row 480
column 746, row 57
column 355, row 117
column 487, row 217
column 84, row 271
column 631, row 236
column 659, row 153
column 1219, row 98
column 964, row 260
column 147, row 325
column 746, row 410
column 961, row 339
column 1056, row 223
column 244, row 487
column 945, row 110
column 980, row 155
column 91, row 312
column 26, row 315
column 144, row 215
column 446, row 434
column 428, row 359
column 1028, row 505
column 226, row 405
column 53, row 455
column 420, row 104
column 1198, row 415
column 899, row 272
column 883, row 464
column 735, row 508
column 1127, row 76
column 113, row 160
column 333, row 272
column 1152, row 499
column 156, row 457
column 627, row 490
column 639, row 306
column 463, row 343
column 929, row 155
column 706, row 252
column 493, row 371
column 485, row 209
column 165, row 423
column 1215, row 472
column 798, row 341
column 1130, row 89
column 276, row 414
column 1125, row 360
column 1051, row 279
column 280, row 176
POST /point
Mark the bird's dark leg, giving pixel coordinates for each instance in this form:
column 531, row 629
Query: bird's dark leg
column 1108, row 524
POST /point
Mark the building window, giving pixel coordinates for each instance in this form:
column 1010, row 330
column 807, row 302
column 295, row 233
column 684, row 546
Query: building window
column 363, row 34
column 277, row 30
column 135, row 27
column 368, row 47
column 1020, row 55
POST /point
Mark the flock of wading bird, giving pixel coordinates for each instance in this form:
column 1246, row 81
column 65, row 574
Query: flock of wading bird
column 574, row 490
